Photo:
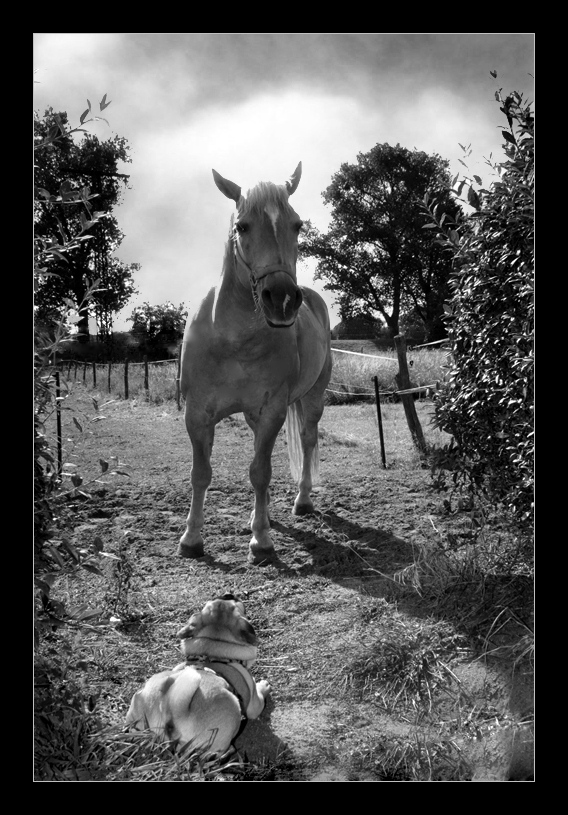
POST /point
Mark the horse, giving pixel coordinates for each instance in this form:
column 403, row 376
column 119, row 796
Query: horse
column 258, row 344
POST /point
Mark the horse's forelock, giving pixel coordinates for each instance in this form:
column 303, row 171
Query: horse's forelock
column 263, row 194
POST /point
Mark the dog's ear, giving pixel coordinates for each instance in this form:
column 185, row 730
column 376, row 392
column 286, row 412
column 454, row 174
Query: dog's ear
column 248, row 632
column 186, row 632
column 190, row 627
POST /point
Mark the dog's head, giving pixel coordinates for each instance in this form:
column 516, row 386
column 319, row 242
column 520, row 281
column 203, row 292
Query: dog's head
column 220, row 630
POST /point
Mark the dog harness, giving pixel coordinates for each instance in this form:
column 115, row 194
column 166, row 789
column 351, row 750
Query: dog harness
column 235, row 674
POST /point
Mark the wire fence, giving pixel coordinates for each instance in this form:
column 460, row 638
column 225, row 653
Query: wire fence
column 338, row 388
column 402, row 378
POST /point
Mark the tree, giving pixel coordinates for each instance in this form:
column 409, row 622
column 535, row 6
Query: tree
column 376, row 255
column 69, row 175
column 487, row 404
column 158, row 329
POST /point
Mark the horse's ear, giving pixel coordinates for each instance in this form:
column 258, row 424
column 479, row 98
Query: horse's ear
column 292, row 185
column 228, row 188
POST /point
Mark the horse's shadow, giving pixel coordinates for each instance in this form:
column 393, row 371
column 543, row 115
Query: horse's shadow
column 355, row 547
column 385, row 550
column 258, row 742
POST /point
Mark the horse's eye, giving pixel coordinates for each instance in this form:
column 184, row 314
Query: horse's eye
column 240, row 227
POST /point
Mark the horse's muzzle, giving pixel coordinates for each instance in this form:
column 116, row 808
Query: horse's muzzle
column 280, row 299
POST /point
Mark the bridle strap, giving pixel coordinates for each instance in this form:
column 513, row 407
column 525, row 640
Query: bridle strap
column 256, row 274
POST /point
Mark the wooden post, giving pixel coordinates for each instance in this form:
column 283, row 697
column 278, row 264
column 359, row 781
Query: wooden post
column 126, row 379
column 146, row 383
column 84, row 373
column 94, row 374
column 380, row 420
column 109, row 370
column 408, row 398
column 58, row 417
column 178, row 379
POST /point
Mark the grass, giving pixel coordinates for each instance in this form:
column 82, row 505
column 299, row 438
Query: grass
column 162, row 379
column 352, row 376
column 357, row 425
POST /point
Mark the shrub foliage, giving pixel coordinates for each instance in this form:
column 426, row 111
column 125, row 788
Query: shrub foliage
column 487, row 403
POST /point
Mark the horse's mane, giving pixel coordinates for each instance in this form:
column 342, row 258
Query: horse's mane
column 265, row 192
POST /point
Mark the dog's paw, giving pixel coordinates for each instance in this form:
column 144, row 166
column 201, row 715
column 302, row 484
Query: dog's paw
column 263, row 688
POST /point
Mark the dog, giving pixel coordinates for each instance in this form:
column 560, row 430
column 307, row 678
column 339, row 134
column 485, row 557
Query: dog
column 204, row 703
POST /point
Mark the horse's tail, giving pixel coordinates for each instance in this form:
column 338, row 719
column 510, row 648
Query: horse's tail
column 294, row 421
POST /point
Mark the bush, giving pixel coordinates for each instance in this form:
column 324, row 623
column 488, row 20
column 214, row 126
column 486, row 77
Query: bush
column 487, row 403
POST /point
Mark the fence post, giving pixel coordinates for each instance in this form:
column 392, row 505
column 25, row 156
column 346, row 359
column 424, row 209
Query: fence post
column 146, row 384
column 84, row 373
column 408, row 398
column 126, row 379
column 380, row 420
column 109, row 370
column 94, row 374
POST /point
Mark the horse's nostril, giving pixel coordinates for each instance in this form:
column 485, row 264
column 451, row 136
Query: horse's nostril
column 267, row 297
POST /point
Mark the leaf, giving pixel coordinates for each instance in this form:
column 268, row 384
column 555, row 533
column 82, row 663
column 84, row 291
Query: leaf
column 104, row 465
column 98, row 544
column 82, row 612
column 71, row 549
column 84, row 116
column 509, row 137
column 473, row 198
column 77, row 425
column 90, row 567
column 76, row 480
column 493, row 74
column 56, row 556
column 103, row 103
column 478, row 179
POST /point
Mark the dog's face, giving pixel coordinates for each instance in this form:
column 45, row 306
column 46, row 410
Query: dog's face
column 220, row 629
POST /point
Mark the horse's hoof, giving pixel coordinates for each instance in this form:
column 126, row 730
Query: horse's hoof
column 259, row 555
column 191, row 551
column 303, row 509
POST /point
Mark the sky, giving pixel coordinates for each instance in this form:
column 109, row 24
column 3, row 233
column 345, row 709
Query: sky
column 252, row 106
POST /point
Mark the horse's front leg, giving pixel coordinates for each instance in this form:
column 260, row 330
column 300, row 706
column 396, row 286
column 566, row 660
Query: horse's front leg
column 311, row 410
column 201, row 434
column 265, row 432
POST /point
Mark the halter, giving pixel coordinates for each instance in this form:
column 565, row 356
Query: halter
column 254, row 277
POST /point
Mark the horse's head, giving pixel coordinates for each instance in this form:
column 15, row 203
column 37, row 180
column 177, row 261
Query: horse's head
column 265, row 237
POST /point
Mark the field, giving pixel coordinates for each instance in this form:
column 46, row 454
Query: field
column 393, row 650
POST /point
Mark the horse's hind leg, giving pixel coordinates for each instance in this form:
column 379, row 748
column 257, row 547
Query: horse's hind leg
column 201, row 435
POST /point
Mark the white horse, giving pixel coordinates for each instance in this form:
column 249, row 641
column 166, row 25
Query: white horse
column 259, row 344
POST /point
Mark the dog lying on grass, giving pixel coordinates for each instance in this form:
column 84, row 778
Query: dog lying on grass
column 204, row 703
